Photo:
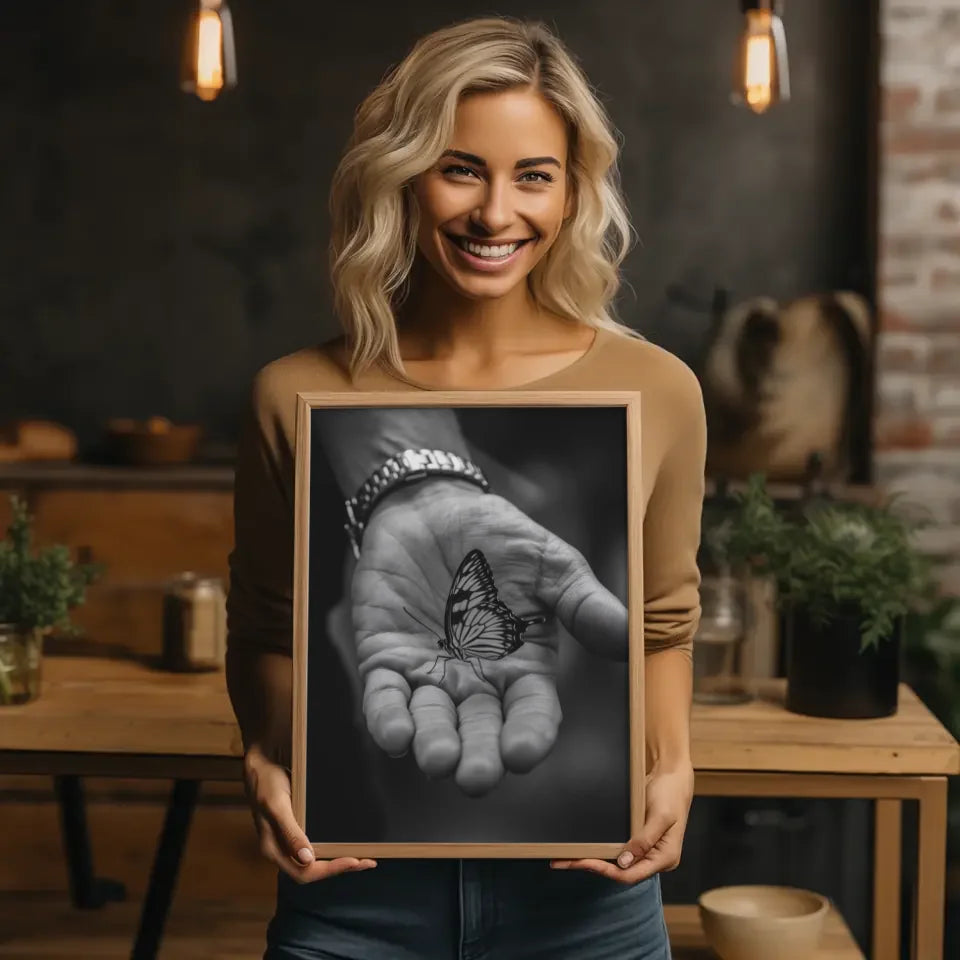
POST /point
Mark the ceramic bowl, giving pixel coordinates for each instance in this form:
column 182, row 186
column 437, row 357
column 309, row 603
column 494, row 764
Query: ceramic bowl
column 756, row 922
column 153, row 442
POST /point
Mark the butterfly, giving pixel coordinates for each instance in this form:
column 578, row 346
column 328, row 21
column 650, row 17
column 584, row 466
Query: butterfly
column 477, row 624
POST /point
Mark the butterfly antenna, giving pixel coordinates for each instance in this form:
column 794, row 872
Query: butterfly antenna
column 422, row 624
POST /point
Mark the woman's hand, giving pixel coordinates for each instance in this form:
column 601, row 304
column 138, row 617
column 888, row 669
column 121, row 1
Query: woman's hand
column 669, row 795
column 267, row 786
column 472, row 719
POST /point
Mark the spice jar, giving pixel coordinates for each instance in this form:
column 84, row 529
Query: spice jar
column 194, row 623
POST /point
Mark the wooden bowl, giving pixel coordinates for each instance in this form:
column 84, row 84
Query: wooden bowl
column 756, row 922
column 154, row 441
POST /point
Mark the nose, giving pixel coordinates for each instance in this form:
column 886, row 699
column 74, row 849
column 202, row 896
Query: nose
column 495, row 212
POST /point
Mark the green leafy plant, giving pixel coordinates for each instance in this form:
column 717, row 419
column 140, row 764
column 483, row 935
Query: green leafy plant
column 39, row 588
column 828, row 556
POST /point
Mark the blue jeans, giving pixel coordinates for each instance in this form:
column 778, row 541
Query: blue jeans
column 467, row 910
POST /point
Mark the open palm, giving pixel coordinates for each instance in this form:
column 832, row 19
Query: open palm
column 471, row 716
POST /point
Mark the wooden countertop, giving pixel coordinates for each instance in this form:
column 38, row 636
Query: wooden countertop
column 763, row 736
column 99, row 715
column 109, row 707
column 191, row 476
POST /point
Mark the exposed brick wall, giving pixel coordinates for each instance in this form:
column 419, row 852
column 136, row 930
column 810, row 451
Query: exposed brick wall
column 917, row 438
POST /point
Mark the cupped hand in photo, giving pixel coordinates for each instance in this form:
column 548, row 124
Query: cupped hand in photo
column 472, row 697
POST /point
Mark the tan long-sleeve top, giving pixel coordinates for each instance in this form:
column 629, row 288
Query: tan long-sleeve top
column 673, row 449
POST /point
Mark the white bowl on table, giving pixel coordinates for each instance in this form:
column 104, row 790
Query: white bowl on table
column 760, row 922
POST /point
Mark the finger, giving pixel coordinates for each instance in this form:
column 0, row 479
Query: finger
column 587, row 609
column 282, row 840
column 602, row 868
column 654, row 829
column 272, row 801
column 661, row 858
column 532, row 715
column 595, row 866
column 480, row 767
column 436, row 743
column 664, row 855
column 386, row 695
column 309, row 872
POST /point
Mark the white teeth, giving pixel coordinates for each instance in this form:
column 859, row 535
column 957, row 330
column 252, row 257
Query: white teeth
column 493, row 253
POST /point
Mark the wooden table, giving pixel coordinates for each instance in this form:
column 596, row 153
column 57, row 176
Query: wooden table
column 109, row 717
column 106, row 717
column 758, row 749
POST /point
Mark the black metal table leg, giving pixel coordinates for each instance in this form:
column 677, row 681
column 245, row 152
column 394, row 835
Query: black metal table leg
column 166, row 864
column 86, row 891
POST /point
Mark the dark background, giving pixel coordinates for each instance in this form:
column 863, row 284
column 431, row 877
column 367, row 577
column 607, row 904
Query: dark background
column 157, row 250
column 579, row 792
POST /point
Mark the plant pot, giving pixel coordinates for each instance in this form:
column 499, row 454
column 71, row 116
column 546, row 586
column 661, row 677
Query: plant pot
column 828, row 675
column 21, row 655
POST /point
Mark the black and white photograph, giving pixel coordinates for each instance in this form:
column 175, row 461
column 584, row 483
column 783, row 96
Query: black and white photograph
column 466, row 583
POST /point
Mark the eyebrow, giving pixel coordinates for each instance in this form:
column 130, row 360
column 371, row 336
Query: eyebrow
column 519, row 165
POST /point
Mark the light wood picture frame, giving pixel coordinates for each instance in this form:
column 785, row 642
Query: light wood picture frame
column 563, row 467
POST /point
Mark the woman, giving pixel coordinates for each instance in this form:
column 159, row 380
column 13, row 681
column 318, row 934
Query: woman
column 477, row 234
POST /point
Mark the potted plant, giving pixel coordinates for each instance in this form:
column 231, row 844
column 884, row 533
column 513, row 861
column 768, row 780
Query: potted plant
column 846, row 574
column 38, row 589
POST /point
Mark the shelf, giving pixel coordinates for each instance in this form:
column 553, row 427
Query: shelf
column 75, row 475
column 687, row 941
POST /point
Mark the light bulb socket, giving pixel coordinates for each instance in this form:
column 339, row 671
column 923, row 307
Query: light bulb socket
column 773, row 6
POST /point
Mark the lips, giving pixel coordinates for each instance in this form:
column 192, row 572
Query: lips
column 485, row 264
column 490, row 243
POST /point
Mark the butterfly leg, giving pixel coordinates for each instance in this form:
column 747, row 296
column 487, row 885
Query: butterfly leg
column 443, row 676
column 445, row 660
column 481, row 676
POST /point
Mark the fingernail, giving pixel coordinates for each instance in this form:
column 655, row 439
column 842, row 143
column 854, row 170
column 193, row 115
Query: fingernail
column 626, row 858
column 305, row 855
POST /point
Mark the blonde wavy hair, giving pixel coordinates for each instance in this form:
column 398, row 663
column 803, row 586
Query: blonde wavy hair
column 401, row 129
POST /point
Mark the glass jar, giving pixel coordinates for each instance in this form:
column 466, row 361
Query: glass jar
column 719, row 674
column 20, row 656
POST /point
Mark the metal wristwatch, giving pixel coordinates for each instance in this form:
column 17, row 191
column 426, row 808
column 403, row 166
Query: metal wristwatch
column 403, row 468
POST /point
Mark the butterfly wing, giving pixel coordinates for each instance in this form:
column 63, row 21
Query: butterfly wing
column 477, row 622
column 472, row 585
column 491, row 631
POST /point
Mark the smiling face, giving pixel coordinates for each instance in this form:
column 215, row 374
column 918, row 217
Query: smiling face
column 494, row 203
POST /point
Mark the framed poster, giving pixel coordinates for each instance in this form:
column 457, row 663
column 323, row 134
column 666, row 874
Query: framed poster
column 468, row 623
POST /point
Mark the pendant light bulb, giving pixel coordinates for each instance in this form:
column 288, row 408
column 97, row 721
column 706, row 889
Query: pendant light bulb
column 762, row 76
column 210, row 60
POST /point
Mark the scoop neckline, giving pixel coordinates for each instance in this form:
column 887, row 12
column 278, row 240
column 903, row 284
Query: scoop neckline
column 587, row 355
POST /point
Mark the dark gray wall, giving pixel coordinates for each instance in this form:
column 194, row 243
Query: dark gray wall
column 156, row 250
